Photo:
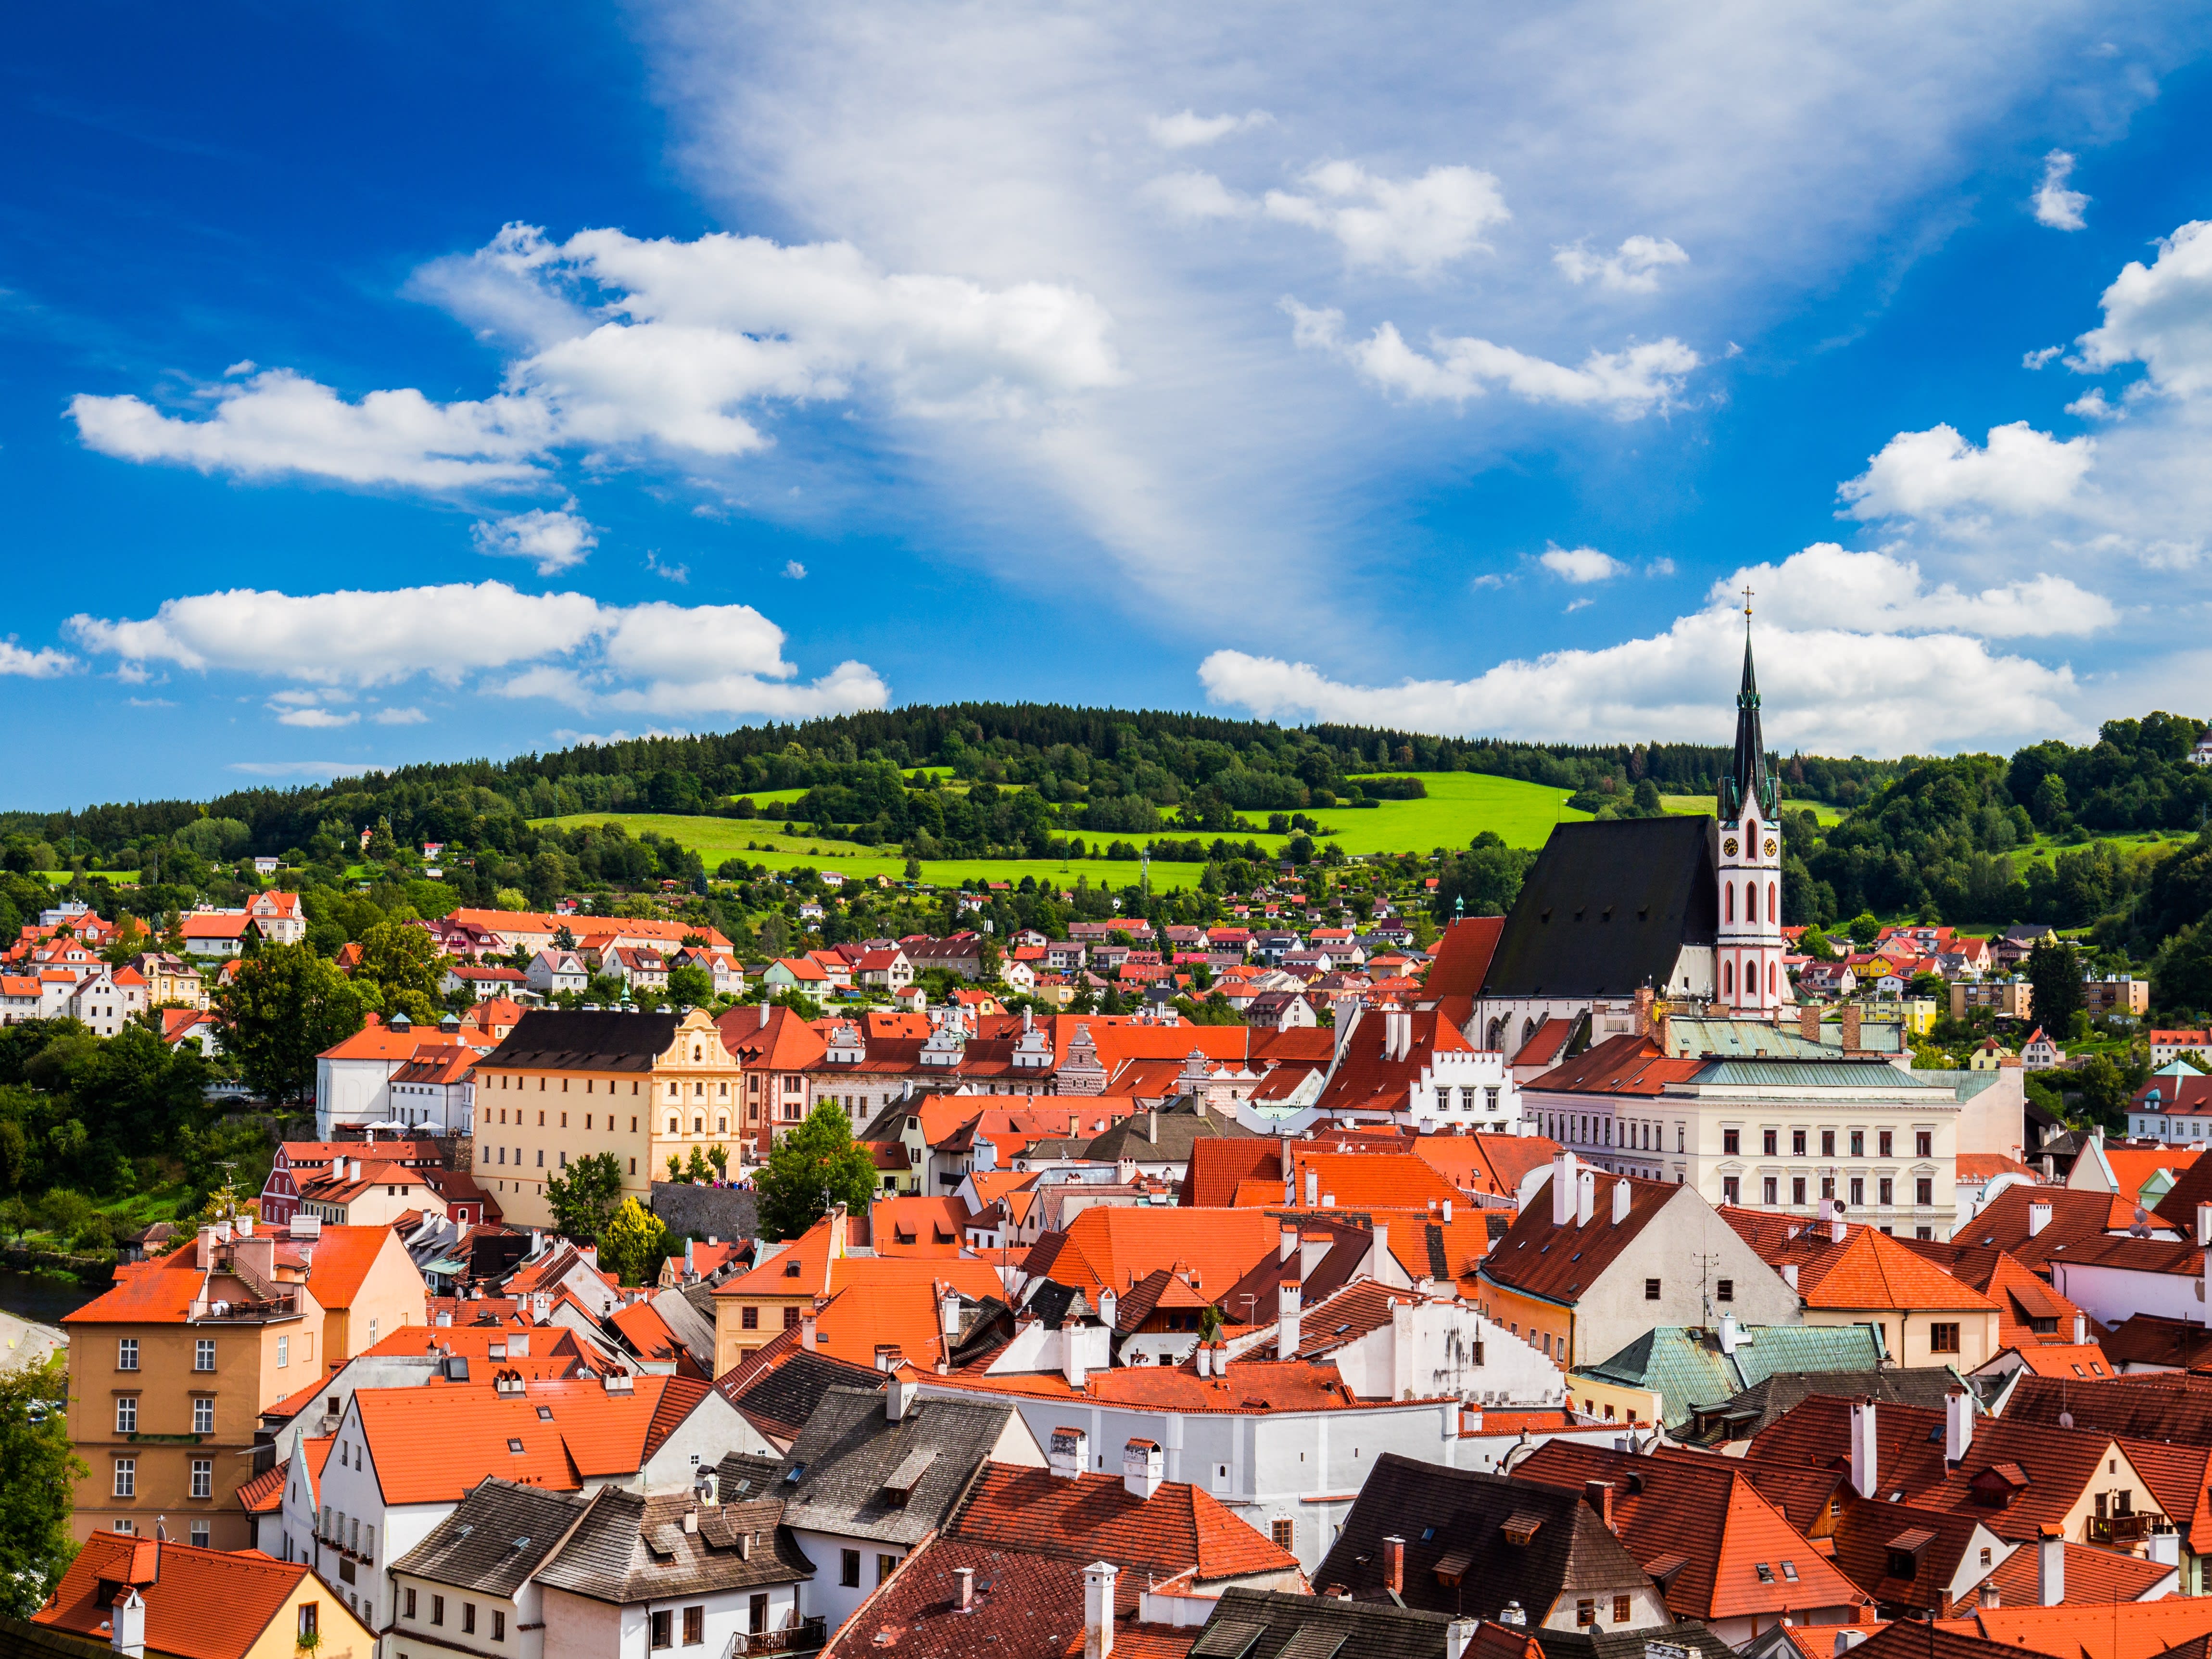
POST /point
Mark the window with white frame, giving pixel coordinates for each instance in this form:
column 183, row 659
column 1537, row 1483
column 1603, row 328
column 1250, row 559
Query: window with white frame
column 126, row 1477
column 203, row 1415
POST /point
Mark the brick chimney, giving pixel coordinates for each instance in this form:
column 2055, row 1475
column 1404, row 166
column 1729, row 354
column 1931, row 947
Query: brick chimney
column 1599, row 1495
column 1851, row 1026
column 1394, row 1564
column 1808, row 1022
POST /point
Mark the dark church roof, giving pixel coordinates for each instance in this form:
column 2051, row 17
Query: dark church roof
column 1606, row 909
column 584, row 1040
column 1749, row 783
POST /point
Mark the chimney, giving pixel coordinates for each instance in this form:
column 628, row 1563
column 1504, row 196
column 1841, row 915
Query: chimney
column 838, row 1222
column 1863, row 1448
column 806, row 1329
column 948, row 1313
column 1098, row 1609
column 204, row 1256
column 1394, row 1564
column 1850, row 1026
column 1730, row 1335
column 1153, row 1125
column 966, row 1578
column 1141, row 1469
column 898, row 1397
column 2039, row 1216
column 1598, row 1494
column 690, row 1259
column 1644, row 998
column 2080, row 1329
column 1513, row 1615
column 1459, row 1635
column 1621, row 1196
column 1958, row 1426
column 1069, row 1452
column 1288, row 1303
column 1848, row 1639
column 1289, row 1247
column 1585, row 1197
column 1202, row 1361
column 1379, row 1252
column 1563, row 1187
column 1110, row 1306
column 127, row 1625
column 1447, row 1211
column 1808, row 1022
column 1313, row 1188
column 1988, row 1595
column 2204, row 1225
column 2050, row 1566
column 1290, row 1173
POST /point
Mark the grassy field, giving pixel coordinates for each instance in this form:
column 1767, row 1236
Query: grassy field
column 2042, row 848
column 716, row 839
column 1702, row 806
column 1459, row 806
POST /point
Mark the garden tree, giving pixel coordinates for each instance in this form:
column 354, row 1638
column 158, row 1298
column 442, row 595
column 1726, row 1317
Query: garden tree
column 278, row 1012
column 696, row 1167
column 1932, row 986
column 584, row 1195
column 2104, row 1091
column 2182, row 976
column 404, row 962
column 1864, row 927
column 634, row 1243
column 1814, row 944
column 42, row 1472
column 690, row 986
column 817, row 1164
column 1483, row 881
column 2057, row 977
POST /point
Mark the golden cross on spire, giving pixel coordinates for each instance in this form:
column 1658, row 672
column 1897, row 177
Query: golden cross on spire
column 1746, row 604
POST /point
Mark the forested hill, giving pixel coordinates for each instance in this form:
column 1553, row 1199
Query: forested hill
column 1066, row 755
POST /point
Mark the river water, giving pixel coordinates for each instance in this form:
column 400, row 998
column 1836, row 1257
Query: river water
column 35, row 1297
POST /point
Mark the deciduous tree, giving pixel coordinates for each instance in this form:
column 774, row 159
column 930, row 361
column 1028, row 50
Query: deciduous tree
column 280, row 1011
column 816, row 1165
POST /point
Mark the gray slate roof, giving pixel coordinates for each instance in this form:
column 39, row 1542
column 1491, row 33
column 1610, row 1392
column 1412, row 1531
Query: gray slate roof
column 1269, row 1624
column 1607, row 906
column 1778, row 1395
column 849, row 1450
column 556, row 1040
column 630, row 1548
column 1179, row 1126
column 495, row 1538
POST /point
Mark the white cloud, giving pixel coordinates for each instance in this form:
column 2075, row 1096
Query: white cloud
column 1416, row 224
column 43, row 663
column 2090, row 406
column 1828, row 587
column 1936, row 471
column 1825, row 690
column 794, row 570
column 1633, row 268
column 2056, row 205
column 566, row 647
column 2040, row 356
column 2160, row 316
column 1659, row 566
column 1188, row 129
column 687, row 340
column 1192, row 196
column 554, row 540
column 678, row 574
column 401, row 717
column 1581, row 564
column 1627, row 383
column 277, row 422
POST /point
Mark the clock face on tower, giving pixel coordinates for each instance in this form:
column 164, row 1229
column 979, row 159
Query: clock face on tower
column 1769, row 848
column 1728, row 847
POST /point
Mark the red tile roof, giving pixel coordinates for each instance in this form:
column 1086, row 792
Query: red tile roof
column 431, row 1445
column 1178, row 1530
column 265, row 1493
column 201, row 1604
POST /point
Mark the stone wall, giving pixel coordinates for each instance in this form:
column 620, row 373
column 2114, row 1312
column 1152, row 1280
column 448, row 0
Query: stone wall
column 691, row 1211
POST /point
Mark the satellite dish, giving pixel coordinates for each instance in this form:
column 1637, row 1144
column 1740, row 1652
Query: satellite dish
column 2066, row 1420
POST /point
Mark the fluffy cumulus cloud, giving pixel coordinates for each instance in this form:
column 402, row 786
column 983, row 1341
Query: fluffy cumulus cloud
column 703, row 659
column 553, row 540
column 1826, row 586
column 626, row 344
column 1633, row 268
column 2018, row 470
column 1626, row 384
column 2055, row 206
column 1415, row 225
column 43, row 664
column 1581, row 565
column 1824, row 689
column 1190, row 130
column 2160, row 315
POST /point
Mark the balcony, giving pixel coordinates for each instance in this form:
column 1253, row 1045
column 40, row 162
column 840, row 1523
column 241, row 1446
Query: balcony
column 261, row 1312
column 805, row 1637
column 2111, row 1529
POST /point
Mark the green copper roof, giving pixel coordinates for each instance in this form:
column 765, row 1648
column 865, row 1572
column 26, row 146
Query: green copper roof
column 1688, row 1369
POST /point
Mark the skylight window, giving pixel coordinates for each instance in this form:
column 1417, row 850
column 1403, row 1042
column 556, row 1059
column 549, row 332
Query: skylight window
column 1790, row 1571
column 1765, row 1573
column 514, row 1445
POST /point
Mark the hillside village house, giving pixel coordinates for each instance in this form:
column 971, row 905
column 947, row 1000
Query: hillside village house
column 552, row 972
column 276, row 916
column 171, row 1369
column 354, row 1079
column 643, row 1087
column 147, row 1599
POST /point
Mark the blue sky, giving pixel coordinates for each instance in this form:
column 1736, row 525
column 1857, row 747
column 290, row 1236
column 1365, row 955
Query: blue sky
column 455, row 380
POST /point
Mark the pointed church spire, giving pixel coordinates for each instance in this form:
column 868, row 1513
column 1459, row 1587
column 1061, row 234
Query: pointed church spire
column 1749, row 783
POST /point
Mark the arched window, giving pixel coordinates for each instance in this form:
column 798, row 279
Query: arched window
column 1751, row 901
column 1527, row 1027
column 1727, row 979
column 1773, row 983
column 1728, row 900
column 1773, row 910
column 1497, row 1034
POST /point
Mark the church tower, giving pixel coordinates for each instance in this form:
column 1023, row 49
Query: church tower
column 1749, row 979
